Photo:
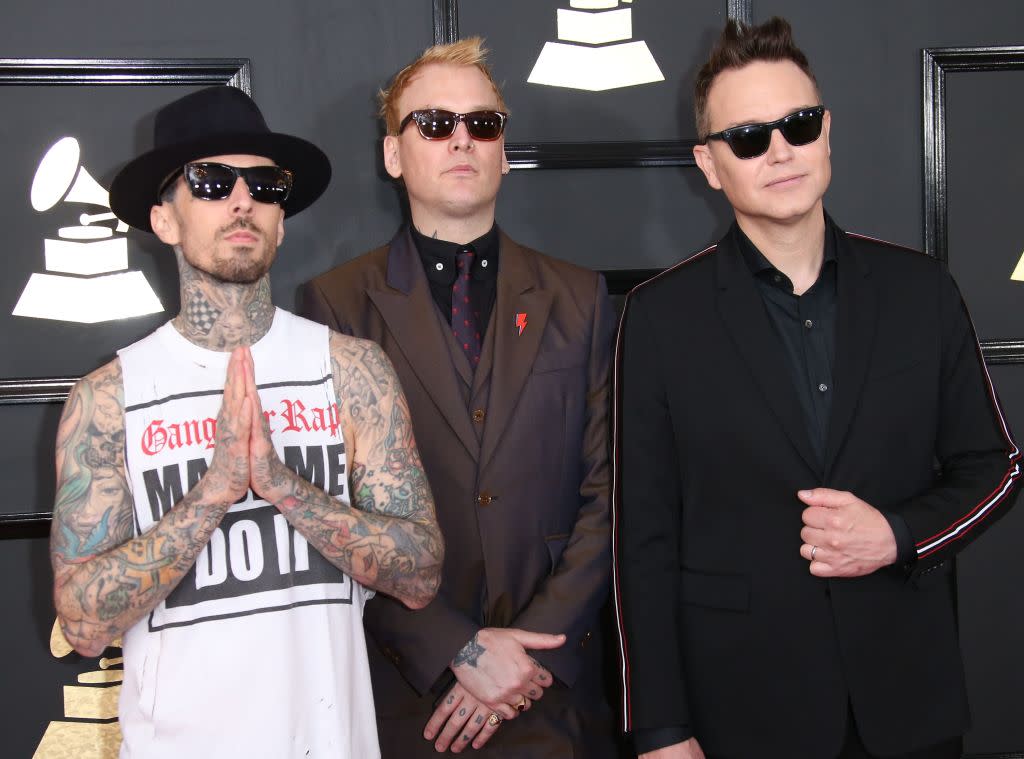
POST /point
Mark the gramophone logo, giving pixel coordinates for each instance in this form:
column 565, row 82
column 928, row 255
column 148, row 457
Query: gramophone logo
column 595, row 50
column 87, row 279
column 90, row 729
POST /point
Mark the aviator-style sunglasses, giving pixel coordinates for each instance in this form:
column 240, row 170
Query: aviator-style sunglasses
column 438, row 124
column 215, row 181
column 751, row 140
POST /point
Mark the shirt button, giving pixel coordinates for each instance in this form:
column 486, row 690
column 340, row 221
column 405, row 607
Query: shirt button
column 823, row 387
column 478, row 415
column 808, row 324
column 439, row 266
column 484, row 499
column 483, row 263
column 777, row 278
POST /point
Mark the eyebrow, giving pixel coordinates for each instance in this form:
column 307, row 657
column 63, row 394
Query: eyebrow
column 751, row 122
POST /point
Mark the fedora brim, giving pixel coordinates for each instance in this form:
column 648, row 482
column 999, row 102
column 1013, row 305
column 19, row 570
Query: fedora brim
column 134, row 190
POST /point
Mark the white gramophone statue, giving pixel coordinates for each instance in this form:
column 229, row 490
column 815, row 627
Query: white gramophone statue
column 90, row 280
column 595, row 50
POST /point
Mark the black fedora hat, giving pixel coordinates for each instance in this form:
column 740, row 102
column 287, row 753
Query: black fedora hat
column 214, row 121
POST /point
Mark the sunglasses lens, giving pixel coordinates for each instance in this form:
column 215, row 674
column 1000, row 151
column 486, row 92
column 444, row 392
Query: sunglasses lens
column 436, row 125
column 748, row 141
column 484, row 125
column 803, row 127
column 210, row 181
column 268, row 184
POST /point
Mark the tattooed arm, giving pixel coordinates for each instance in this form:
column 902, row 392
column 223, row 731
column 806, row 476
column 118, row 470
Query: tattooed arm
column 105, row 579
column 388, row 539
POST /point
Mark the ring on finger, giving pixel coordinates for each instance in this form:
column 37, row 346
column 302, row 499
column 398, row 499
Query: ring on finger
column 814, row 550
column 521, row 704
column 494, row 720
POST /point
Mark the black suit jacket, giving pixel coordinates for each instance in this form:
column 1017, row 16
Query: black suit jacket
column 722, row 626
column 517, row 458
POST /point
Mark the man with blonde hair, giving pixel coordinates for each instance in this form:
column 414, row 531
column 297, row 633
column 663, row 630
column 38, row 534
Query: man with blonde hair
column 504, row 355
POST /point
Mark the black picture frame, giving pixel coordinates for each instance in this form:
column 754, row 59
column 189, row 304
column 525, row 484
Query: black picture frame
column 64, row 72
column 587, row 155
column 936, row 64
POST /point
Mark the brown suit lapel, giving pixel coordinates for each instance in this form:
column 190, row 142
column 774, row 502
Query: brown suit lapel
column 408, row 310
column 513, row 353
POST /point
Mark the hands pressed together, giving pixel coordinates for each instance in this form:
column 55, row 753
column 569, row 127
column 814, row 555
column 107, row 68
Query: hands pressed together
column 496, row 680
column 244, row 455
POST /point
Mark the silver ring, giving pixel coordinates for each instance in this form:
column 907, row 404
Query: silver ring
column 814, row 550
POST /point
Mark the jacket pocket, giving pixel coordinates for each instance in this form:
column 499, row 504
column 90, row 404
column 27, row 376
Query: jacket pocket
column 554, row 360
column 716, row 591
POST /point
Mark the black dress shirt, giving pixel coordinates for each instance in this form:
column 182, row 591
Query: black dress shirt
column 438, row 257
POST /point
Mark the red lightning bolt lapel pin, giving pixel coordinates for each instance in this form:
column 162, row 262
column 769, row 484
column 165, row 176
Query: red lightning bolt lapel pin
column 521, row 322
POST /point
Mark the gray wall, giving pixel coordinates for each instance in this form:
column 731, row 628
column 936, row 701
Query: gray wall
column 316, row 67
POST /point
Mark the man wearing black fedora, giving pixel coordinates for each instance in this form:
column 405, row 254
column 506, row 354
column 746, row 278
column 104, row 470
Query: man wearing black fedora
column 275, row 478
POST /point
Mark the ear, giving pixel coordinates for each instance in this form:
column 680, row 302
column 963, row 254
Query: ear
column 392, row 157
column 826, row 127
column 280, row 227
column 706, row 162
column 165, row 225
column 505, row 168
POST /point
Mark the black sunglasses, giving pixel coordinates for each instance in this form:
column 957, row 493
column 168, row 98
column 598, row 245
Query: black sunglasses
column 751, row 140
column 438, row 124
column 215, row 181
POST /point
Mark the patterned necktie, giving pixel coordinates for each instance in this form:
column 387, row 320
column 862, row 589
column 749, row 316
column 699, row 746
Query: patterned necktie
column 464, row 323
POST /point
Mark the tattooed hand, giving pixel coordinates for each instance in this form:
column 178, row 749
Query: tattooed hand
column 459, row 719
column 496, row 669
column 268, row 476
column 229, row 474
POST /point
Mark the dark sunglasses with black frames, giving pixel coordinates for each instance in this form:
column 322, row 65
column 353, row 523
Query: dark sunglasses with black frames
column 439, row 124
column 751, row 140
column 215, row 181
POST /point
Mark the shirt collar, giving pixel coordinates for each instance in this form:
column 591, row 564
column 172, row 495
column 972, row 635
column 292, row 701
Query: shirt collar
column 762, row 268
column 438, row 256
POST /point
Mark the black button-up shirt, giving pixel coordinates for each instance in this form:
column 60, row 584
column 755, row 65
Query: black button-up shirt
column 806, row 326
column 438, row 257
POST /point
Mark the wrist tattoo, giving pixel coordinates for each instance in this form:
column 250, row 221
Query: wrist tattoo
column 469, row 654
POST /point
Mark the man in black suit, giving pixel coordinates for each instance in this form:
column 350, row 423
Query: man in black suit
column 806, row 435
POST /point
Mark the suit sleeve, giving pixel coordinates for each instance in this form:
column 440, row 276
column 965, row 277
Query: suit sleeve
column 978, row 458
column 647, row 516
column 315, row 305
column 421, row 643
column 569, row 599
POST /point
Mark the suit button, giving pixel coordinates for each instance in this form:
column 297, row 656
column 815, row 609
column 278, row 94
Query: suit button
column 478, row 415
column 484, row 499
column 583, row 642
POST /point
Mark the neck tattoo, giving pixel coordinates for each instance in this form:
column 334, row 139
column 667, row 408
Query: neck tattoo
column 219, row 315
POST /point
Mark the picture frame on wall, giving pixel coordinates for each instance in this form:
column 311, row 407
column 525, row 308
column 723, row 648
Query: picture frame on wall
column 79, row 283
column 971, row 208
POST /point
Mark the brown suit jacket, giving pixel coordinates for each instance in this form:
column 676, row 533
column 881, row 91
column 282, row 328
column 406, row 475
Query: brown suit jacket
column 517, row 458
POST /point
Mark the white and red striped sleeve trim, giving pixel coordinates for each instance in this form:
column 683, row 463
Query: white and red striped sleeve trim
column 627, row 716
column 999, row 495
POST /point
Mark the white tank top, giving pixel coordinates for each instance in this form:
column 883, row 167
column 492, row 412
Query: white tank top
column 259, row 651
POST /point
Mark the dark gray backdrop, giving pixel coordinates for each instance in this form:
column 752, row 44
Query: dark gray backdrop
column 315, row 68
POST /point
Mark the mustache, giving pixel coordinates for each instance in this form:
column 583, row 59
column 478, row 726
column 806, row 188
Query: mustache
column 240, row 224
